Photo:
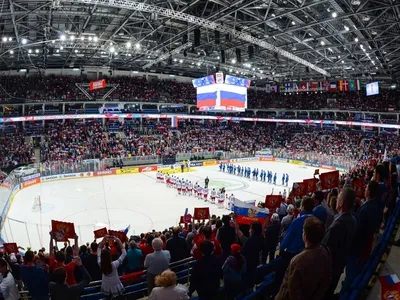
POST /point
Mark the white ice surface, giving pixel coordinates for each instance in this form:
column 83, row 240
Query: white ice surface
column 118, row 201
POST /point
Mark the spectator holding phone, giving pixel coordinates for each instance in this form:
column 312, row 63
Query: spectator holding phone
column 60, row 290
column 110, row 284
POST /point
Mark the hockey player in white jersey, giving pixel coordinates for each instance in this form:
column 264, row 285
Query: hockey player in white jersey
column 205, row 194
column 231, row 199
column 220, row 199
column 190, row 188
column 183, row 187
column 179, row 186
column 212, row 195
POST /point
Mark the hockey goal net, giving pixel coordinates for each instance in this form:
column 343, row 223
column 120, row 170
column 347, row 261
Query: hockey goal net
column 37, row 204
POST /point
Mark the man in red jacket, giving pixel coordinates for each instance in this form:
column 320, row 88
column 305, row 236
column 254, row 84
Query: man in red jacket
column 206, row 235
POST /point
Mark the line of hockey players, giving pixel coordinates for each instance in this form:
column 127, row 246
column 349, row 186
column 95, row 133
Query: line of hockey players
column 186, row 187
column 255, row 174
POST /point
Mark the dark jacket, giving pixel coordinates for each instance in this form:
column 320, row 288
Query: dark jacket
column 226, row 235
column 206, row 275
column 272, row 233
column 338, row 238
column 368, row 221
column 177, row 247
column 252, row 247
column 65, row 292
column 92, row 266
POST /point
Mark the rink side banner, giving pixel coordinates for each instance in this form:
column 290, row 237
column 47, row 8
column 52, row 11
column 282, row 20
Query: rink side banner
column 127, row 171
column 191, row 117
column 30, row 182
column 209, row 163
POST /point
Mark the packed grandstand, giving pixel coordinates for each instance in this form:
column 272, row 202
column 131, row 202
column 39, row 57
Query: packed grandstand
column 358, row 154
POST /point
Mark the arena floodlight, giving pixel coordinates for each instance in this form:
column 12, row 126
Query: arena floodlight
column 167, row 55
column 170, row 13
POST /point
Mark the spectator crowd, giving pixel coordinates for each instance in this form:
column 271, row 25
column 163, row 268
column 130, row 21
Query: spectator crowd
column 31, row 89
column 315, row 245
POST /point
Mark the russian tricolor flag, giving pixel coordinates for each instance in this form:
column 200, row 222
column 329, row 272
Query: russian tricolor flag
column 247, row 213
column 233, row 96
column 206, row 96
column 390, row 286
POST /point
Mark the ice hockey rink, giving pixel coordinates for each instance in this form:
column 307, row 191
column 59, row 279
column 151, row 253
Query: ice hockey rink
column 137, row 200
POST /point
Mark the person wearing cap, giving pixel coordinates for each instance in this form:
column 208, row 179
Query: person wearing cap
column 233, row 270
column 271, row 236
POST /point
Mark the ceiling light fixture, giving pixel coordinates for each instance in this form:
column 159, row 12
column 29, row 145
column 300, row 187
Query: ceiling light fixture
column 24, row 41
column 334, row 14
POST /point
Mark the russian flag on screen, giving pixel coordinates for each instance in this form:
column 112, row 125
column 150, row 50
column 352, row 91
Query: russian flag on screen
column 206, row 96
column 247, row 213
column 233, row 96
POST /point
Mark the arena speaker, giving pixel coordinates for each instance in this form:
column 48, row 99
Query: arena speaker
column 197, row 37
column 238, row 55
column 223, row 56
column 217, row 37
column 251, row 52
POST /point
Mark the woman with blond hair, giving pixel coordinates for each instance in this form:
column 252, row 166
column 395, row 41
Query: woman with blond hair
column 167, row 289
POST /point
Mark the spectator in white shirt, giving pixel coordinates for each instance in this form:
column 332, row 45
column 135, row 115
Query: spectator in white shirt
column 8, row 286
column 110, row 283
column 156, row 262
column 168, row 289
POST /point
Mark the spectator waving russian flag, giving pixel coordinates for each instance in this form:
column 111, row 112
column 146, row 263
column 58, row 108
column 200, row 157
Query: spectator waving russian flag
column 247, row 213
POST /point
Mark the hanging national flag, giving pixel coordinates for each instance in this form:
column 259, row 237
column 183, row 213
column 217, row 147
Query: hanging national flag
column 333, row 86
column 329, row 180
column 340, row 85
column 345, row 85
column 288, row 86
column 268, row 88
column 274, row 88
column 282, row 88
column 295, row 86
column 358, row 85
column 352, row 85
column 303, row 87
column 325, row 85
column 313, row 86
column 247, row 214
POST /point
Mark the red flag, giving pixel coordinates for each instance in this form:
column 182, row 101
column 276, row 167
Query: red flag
column 359, row 187
column 329, row 180
column 314, row 86
column 11, row 248
column 346, row 85
column 299, row 189
column 390, row 287
column 201, row 213
column 272, row 202
column 303, row 87
column 99, row 233
column 62, row 230
column 311, row 185
column 119, row 234
column 340, row 85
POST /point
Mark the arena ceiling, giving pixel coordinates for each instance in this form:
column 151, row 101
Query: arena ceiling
column 277, row 39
